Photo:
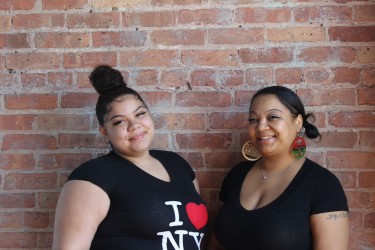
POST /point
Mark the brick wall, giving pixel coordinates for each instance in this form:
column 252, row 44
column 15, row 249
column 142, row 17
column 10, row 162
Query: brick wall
column 197, row 63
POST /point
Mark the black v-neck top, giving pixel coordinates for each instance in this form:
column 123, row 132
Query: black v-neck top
column 285, row 222
column 146, row 212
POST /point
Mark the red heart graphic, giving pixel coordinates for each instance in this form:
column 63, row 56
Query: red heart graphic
column 197, row 214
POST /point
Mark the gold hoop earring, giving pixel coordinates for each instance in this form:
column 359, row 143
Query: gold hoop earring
column 250, row 152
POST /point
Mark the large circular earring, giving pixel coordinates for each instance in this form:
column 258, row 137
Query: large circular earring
column 299, row 146
column 250, row 152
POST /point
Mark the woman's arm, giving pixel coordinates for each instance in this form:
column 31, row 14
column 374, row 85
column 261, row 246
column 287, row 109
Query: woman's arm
column 80, row 209
column 196, row 185
column 330, row 230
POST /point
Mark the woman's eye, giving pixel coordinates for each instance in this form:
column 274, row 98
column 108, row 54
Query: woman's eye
column 119, row 122
column 252, row 120
column 141, row 113
column 273, row 117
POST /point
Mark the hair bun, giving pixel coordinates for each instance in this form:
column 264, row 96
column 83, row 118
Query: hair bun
column 104, row 79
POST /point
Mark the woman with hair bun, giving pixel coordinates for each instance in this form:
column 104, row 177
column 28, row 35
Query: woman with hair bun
column 132, row 198
column 280, row 199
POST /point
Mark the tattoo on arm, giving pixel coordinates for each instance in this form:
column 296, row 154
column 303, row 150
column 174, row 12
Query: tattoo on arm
column 337, row 216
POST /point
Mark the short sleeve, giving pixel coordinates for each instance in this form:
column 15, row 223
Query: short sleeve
column 329, row 195
column 96, row 172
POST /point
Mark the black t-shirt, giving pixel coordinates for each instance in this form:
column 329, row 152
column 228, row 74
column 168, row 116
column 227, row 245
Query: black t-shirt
column 145, row 212
column 284, row 224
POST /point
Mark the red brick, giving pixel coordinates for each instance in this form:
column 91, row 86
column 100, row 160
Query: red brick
column 242, row 98
column 78, row 100
column 366, row 96
column 368, row 76
column 157, row 99
column 204, row 141
column 346, row 75
column 204, row 16
column 63, row 5
column 266, row 55
column 210, row 179
column 176, row 121
column 42, row 60
column 361, row 199
column 45, row 240
column 203, row 99
column 37, row 20
column 17, row 41
column 318, row 97
column 194, row 159
column 149, row 19
column 11, row 220
column 31, row 101
column 62, row 40
column 236, row 36
column 366, row 179
column 93, row 20
column 317, row 76
column 83, row 81
column 259, row 76
column 262, row 15
column 228, row 120
column 367, row 139
column 89, row 59
column 62, row 161
column 8, row 80
column 366, row 55
column 296, row 34
column 174, row 78
column 352, row 160
column 36, row 219
column 364, row 13
column 346, row 178
column 16, row 122
column 2, row 41
column 16, row 161
column 370, row 220
column 352, row 33
column 10, row 240
column 288, row 75
column 175, row 2
column 29, row 142
column 223, row 160
column 5, row 23
column 17, row 200
column 205, row 77
column 355, row 221
column 16, row 181
column 32, row 80
column 119, row 39
column 336, row 140
column 60, row 80
column 352, row 119
column 209, row 57
column 323, row 14
column 48, row 199
column 115, row 4
column 177, row 37
column 81, row 141
column 17, row 4
column 62, row 122
column 149, row 58
column 327, row 54
column 145, row 77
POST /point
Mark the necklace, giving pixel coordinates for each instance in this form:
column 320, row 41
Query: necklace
column 284, row 170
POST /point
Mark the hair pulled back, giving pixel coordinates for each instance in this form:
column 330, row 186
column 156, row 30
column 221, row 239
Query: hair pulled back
column 110, row 85
column 294, row 104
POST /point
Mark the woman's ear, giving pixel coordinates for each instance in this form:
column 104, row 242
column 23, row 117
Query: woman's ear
column 103, row 131
column 299, row 122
